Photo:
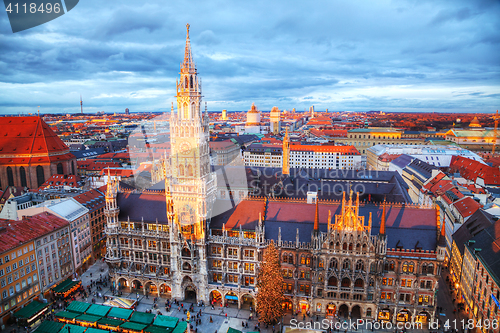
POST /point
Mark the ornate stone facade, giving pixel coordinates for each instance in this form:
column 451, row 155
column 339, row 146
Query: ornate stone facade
column 346, row 258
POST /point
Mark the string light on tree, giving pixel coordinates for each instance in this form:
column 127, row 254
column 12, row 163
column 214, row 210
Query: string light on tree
column 269, row 284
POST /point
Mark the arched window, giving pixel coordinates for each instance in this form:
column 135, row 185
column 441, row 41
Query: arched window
column 73, row 167
column 333, row 264
column 193, row 110
column 360, row 265
column 346, row 264
column 332, row 281
column 190, row 170
column 285, row 257
column 372, row 283
column 368, row 312
column 185, row 111
column 10, row 176
column 40, row 176
column 181, row 170
column 346, row 282
column 391, row 266
column 22, row 175
column 290, row 258
column 430, row 269
column 60, row 169
column 359, row 283
column 191, row 81
column 411, row 267
column 373, row 267
column 350, row 246
column 344, row 246
column 405, row 267
column 186, row 82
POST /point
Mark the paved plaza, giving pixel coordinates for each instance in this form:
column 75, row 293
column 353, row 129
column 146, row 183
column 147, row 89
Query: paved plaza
column 223, row 318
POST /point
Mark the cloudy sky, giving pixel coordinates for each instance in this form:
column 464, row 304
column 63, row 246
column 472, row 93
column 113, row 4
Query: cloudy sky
column 341, row 55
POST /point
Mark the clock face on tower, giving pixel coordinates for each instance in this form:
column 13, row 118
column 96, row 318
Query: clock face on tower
column 185, row 148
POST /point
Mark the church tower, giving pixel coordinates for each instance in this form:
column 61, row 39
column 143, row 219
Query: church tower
column 189, row 186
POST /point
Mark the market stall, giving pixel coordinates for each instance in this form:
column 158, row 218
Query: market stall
column 48, row 326
column 87, row 320
column 31, row 313
column 98, row 310
column 66, row 317
column 130, row 327
column 65, row 288
column 142, row 318
column 109, row 324
column 119, row 313
column 78, row 307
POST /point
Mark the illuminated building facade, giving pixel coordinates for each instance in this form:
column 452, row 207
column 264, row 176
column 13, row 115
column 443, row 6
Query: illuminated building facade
column 352, row 257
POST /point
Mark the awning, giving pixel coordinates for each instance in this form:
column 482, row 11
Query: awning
column 88, row 318
column 233, row 298
column 156, row 329
column 120, row 313
column 31, row 310
column 180, row 328
column 142, row 317
column 166, row 321
column 78, row 307
column 72, row 329
column 129, row 326
column 95, row 330
column 232, row 330
column 109, row 322
column 65, row 286
column 48, row 326
column 98, row 310
column 67, row 315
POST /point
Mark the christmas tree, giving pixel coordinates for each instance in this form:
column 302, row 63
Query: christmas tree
column 269, row 284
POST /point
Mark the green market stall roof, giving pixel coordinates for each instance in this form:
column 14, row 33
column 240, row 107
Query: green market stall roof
column 69, row 328
column 48, row 326
column 78, row 307
column 88, row 318
column 65, row 286
column 233, row 330
column 142, row 317
column 180, row 328
column 95, row 330
column 31, row 310
column 120, row 313
column 110, row 322
column 67, row 314
column 98, row 310
column 133, row 326
column 165, row 321
column 156, row 329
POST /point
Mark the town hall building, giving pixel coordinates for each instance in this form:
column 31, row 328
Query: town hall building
column 362, row 252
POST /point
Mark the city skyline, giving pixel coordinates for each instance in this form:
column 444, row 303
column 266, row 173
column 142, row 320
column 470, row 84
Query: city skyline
column 337, row 56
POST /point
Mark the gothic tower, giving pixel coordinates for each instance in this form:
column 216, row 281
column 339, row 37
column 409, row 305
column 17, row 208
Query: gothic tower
column 111, row 212
column 190, row 186
column 286, row 155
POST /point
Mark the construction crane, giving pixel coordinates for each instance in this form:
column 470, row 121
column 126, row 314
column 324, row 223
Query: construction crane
column 495, row 118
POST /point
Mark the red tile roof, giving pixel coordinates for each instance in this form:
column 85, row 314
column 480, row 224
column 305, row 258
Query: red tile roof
column 472, row 170
column 326, row 148
column 91, row 165
column 467, row 206
column 91, row 199
column 16, row 233
column 62, row 180
column 27, row 136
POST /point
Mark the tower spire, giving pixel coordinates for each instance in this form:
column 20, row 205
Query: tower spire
column 188, row 57
column 286, row 152
column 382, row 221
column 316, row 218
